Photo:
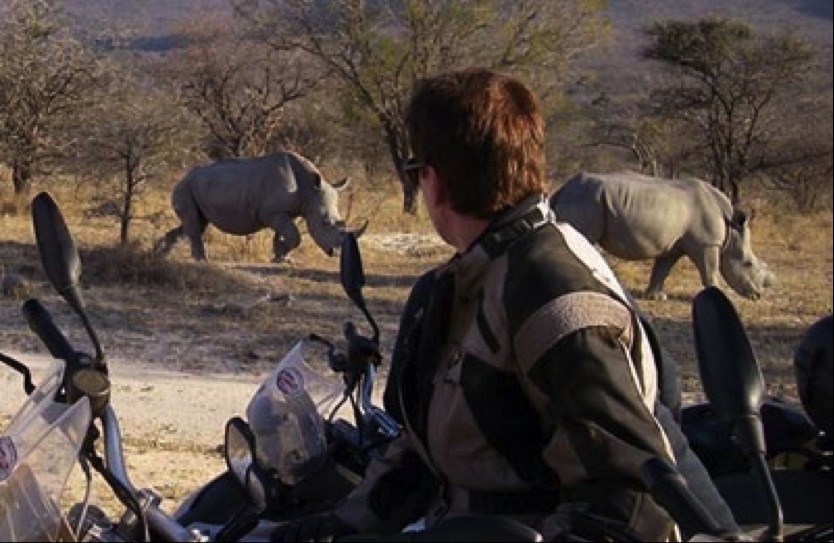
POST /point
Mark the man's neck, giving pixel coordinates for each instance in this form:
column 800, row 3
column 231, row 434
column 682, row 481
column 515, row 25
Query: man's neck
column 464, row 230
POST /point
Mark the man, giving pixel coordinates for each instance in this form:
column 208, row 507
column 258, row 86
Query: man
column 524, row 380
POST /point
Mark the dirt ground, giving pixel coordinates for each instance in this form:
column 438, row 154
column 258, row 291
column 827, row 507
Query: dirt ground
column 182, row 366
column 172, row 423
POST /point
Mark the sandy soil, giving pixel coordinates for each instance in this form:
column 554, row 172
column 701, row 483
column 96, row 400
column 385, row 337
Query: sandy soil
column 172, row 423
column 177, row 378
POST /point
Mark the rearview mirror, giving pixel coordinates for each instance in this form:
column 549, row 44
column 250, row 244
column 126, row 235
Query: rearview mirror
column 351, row 271
column 352, row 276
column 60, row 260
column 733, row 383
column 730, row 374
column 59, row 255
column 239, row 451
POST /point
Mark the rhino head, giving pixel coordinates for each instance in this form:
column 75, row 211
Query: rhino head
column 321, row 214
column 740, row 267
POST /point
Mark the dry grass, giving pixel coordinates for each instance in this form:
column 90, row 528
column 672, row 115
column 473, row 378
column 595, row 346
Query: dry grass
column 240, row 312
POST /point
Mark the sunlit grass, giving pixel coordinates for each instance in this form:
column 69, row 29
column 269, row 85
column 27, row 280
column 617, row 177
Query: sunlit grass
column 240, row 302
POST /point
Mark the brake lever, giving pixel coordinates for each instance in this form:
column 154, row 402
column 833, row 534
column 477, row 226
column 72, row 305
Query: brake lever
column 20, row 367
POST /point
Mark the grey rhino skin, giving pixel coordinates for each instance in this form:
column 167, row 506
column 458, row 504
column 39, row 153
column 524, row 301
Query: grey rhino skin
column 244, row 195
column 638, row 217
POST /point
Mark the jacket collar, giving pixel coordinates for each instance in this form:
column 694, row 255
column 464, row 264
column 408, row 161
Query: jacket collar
column 504, row 229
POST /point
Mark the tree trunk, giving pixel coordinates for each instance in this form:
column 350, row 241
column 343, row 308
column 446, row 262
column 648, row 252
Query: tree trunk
column 127, row 203
column 22, row 179
column 409, row 198
column 735, row 197
column 124, row 231
column 397, row 148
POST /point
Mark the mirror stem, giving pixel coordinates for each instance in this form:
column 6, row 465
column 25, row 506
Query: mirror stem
column 99, row 358
column 776, row 525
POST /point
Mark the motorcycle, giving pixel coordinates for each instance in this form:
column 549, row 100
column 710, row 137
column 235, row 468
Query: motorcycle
column 771, row 463
column 317, row 457
column 68, row 407
column 315, row 460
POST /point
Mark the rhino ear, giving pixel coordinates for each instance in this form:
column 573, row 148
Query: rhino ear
column 341, row 184
column 739, row 218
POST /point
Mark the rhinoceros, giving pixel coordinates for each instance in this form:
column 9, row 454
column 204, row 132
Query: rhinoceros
column 638, row 217
column 242, row 196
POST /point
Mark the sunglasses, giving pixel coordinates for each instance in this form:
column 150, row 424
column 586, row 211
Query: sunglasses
column 413, row 169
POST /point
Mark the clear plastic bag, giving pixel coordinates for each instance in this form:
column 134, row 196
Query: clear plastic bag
column 287, row 413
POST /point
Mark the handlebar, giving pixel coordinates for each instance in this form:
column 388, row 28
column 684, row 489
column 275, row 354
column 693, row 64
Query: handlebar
column 358, row 366
column 363, row 359
column 43, row 325
column 158, row 521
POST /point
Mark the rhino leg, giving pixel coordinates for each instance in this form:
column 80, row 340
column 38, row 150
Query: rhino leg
column 286, row 238
column 195, row 237
column 707, row 262
column 194, row 226
column 192, row 221
column 660, row 271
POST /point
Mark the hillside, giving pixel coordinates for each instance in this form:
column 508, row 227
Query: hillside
column 613, row 68
column 618, row 66
column 813, row 18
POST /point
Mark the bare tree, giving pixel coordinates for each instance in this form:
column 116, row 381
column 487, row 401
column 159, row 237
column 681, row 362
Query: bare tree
column 654, row 142
column 237, row 88
column 800, row 164
column 726, row 82
column 135, row 132
column 377, row 50
column 45, row 74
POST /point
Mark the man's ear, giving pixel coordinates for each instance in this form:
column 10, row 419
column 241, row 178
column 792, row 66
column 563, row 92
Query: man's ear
column 437, row 191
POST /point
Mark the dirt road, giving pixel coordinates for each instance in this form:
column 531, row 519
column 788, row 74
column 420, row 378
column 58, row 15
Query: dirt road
column 172, row 423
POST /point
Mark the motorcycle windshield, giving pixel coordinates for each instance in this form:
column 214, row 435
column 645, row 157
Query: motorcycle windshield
column 37, row 452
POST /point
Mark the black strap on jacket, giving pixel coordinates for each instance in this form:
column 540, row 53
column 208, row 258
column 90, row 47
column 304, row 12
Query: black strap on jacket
column 496, row 241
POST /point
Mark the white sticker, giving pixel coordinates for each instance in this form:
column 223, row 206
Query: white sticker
column 290, row 381
column 8, row 457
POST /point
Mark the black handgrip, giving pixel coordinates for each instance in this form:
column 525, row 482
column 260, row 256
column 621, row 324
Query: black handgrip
column 350, row 332
column 669, row 489
column 40, row 321
column 361, row 349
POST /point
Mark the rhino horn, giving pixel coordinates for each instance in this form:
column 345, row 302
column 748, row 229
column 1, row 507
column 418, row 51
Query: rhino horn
column 342, row 183
column 361, row 230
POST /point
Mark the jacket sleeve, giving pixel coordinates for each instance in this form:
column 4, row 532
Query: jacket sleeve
column 396, row 490
column 593, row 393
column 407, row 342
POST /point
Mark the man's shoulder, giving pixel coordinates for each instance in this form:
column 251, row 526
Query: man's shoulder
column 547, row 254
column 424, row 282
